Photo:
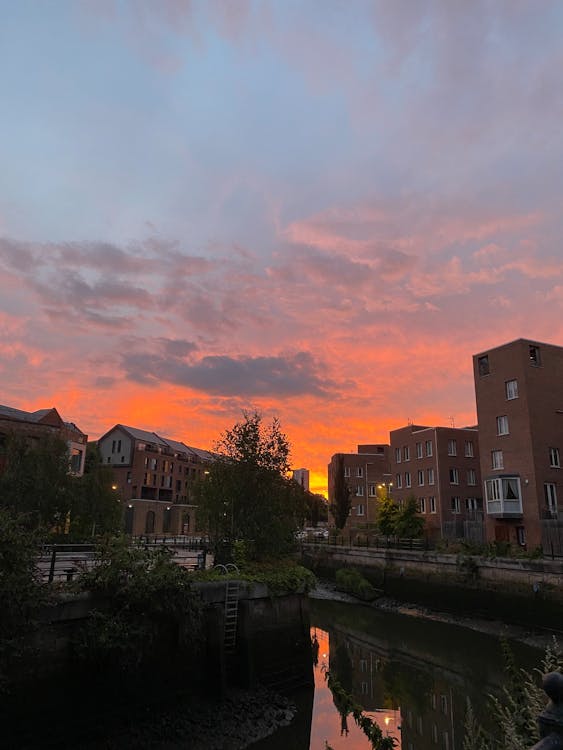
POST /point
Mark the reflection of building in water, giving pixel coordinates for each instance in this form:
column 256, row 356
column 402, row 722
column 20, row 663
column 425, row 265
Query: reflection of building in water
column 361, row 671
column 421, row 704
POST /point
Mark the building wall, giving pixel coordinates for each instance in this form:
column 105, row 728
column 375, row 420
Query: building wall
column 535, row 424
column 366, row 474
column 422, row 467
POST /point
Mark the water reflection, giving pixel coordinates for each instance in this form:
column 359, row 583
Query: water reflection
column 413, row 677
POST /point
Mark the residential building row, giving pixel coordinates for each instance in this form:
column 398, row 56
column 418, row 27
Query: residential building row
column 498, row 480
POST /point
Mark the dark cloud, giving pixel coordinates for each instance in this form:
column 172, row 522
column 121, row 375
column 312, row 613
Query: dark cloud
column 290, row 375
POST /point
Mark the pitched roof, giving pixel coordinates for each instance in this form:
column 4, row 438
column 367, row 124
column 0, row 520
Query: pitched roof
column 28, row 416
column 152, row 437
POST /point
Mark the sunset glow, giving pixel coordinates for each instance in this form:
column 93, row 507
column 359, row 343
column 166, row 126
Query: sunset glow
column 319, row 210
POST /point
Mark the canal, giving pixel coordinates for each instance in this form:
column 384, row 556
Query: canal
column 412, row 676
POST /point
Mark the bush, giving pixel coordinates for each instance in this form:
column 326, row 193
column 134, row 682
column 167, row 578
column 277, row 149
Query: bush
column 352, row 582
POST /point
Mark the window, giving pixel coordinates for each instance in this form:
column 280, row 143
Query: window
column 511, row 388
column 550, row 493
column 422, row 505
column 419, row 450
column 503, row 495
column 521, row 535
column 119, row 446
column 360, row 490
column 363, row 665
column 407, row 479
column 473, row 503
column 456, row 505
column 483, row 363
column 429, row 447
column 421, row 478
column 444, row 704
column 128, row 477
column 360, row 471
column 433, row 701
column 469, row 450
column 153, row 464
column 346, row 471
column 372, row 491
column 397, row 455
column 502, row 425
column 452, row 448
column 399, row 481
column 360, row 510
column 497, row 461
column 432, row 502
column 535, row 358
column 406, row 453
column 454, row 476
column 434, row 733
column 471, row 477
column 554, row 461
column 364, row 688
column 113, row 444
column 76, row 460
column 430, row 473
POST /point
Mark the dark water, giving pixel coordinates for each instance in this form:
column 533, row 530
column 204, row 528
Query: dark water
column 412, row 676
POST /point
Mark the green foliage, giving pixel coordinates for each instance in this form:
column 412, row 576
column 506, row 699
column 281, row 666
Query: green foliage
column 36, row 481
column 518, row 706
column 346, row 705
column 247, row 495
column 281, row 577
column 352, row 582
column 95, row 508
column 148, row 611
column 409, row 523
column 21, row 592
column 316, row 508
column 341, row 502
column 387, row 512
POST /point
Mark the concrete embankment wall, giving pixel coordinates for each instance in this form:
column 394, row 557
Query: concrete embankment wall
column 272, row 647
column 526, row 592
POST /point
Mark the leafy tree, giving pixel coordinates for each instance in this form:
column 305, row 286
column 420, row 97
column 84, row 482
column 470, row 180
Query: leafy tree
column 36, row 481
column 96, row 507
column 247, row 494
column 341, row 502
column 409, row 524
column 387, row 513
column 317, row 508
column 21, row 592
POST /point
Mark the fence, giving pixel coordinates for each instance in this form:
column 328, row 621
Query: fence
column 62, row 562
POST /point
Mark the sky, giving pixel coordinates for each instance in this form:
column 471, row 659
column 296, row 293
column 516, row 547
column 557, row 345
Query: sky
column 317, row 209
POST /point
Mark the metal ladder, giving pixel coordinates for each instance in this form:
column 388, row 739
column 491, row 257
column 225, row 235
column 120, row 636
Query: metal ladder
column 231, row 615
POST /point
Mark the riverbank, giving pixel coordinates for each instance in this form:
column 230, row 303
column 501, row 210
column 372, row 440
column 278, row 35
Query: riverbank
column 241, row 719
column 326, row 589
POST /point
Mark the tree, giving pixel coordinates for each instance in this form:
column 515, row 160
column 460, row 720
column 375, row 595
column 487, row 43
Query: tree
column 409, row 524
column 341, row 503
column 316, row 508
column 247, row 495
column 35, row 481
column 387, row 512
column 96, row 507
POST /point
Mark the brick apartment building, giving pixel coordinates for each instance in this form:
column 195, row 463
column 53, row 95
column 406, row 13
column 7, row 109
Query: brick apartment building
column 36, row 425
column 519, row 394
column 440, row 467
column 366, row 473
column 155, row 476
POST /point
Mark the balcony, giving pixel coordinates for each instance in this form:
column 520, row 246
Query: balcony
column 504, row 497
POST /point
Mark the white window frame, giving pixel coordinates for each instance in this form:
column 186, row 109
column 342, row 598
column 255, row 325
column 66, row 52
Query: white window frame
column 511, row 389
column 452, row 447
column 550, row 494
column 406, row 453
column 432, row 503
column 502, row 425
column 360, row 509
column 471, row 477
column 372, row 490
column 471, row 503
column 407, row 479
column 421, row 477
column 497, row 460
column 469, row 449
column 496, row 495
column 359, row 490
column 429, row 448
column 430, row 472
column 359, row 472
column 456, row 505
column 419, row 450
column 346, row 472
column 454, row 475
column 422, row 505
column 397, row 455
column 554, row 458
column 399, row 481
